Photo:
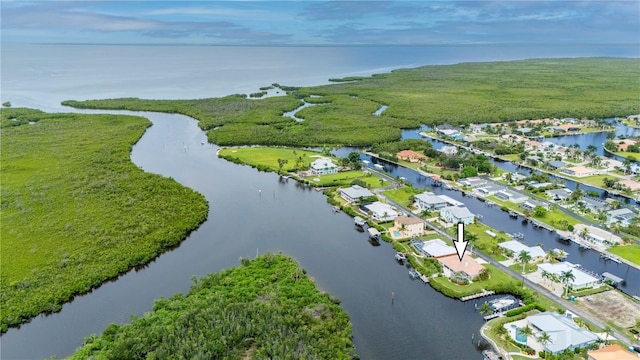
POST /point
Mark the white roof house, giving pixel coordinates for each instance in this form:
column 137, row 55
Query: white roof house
column 448, row 150
column 355, row 193
column 380, row 211
column 457, row 214
column 323, row 166
column 564, row 333
column 582, row 279
column 451, row 201
column 430, row 201
column 437, row 248
column 513, row 196
column 516, row 247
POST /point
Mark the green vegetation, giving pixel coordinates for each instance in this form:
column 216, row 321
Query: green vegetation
column 456, row 94
column 266, row 158
column 266, row 309
column 629, row 252
column 76, row 211
column 403, row 195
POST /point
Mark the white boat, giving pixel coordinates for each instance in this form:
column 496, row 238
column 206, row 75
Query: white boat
column 359, row 221
column 378, row 166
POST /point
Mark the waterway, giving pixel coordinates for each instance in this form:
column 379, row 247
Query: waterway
column 498, row 219
column 253, row 212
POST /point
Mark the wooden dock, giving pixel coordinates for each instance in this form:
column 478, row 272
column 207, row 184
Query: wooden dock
column 477, row 295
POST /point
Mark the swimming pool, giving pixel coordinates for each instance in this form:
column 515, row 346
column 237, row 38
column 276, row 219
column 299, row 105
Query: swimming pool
column 396, row 234
column 520, row 337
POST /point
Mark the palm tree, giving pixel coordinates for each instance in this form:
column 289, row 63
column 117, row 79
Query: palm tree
column 545, row 275
column 485, row 309
column 526, row 331
column 524, row 257
column 584, row 232
column 566, row 277
column 608, row 331
column 544, row 340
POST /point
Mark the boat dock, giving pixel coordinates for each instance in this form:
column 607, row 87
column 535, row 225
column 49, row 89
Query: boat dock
column 477, row 295
column 513, row 214
column 610, row 257
column 614, row 279
column 373, row 233
column 538, row 224
column 359, row 221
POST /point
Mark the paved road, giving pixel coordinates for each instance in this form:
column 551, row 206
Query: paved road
column 564, row 303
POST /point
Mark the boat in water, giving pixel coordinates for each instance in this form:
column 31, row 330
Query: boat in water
column 400, row 257
column 359, row 221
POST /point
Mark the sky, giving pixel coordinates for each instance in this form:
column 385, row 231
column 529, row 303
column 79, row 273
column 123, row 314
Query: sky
column 346, row 23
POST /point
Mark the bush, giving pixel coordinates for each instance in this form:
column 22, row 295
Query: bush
column 524, row 309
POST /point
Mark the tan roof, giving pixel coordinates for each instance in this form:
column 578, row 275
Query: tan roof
column 631, row 184
column 410, row 154
column 468, row 264
column 568, row 126
column 612, row 352
column 581, row 169
column 408, row 220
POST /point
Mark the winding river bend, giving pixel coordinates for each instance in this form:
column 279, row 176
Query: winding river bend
column 253, row 212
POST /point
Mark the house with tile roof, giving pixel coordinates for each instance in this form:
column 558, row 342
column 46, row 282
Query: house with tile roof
column 612, row 352
column 454, row 268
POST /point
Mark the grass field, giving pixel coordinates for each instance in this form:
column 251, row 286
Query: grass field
column 629, row 252
column 268, row 156
column 76, row 211
column 402, row 195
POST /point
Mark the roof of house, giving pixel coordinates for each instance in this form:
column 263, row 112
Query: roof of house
column 511, row 193
column 580, row 169
column 410, row 154
column 380, row 208
column 408, row 220
column 459, row 212
column 450, row 201
column 622, row 212
column 581, row 278
column 560, row 192
column 430, row 198
column 612, row 352
column 563, row 332
column 468, row 264
column 516, row 247
column 322, row 163
column 557, row 164
column 437, row 248
column 356, row 191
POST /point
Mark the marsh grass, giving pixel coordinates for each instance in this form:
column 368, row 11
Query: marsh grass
column 76, row 211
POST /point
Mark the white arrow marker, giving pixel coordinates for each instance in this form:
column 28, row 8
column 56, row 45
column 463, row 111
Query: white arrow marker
column 460, row 245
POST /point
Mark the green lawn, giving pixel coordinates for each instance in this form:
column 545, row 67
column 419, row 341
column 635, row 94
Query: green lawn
column 497, row 280
column 554, row 217
column 268, row 156
column 402, row 195
column 345, row 178
column 629, row 252
column 76, row 211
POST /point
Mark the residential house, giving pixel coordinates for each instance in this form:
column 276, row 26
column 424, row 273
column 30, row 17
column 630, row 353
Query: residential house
column 437, row 248
column 323, row 166
column 555, row 164
column 512, row 196
column 488, row 190
column 612, row 352
column 621, row 217
column 594, row 205
column 531, row 205
column 477, row 128
column 451, row 201
column 582, row 279
column 559, row 194
column 473, row 182
column 569, row 127
column 355, row 193
column 524, row 131
column 380, row 211
column 579, row 171
column 597, row 235
column 532, row 145
column 409, row 226
column 454, row 268
column 457, row 214
column 514, row 248
column 543, row 185
column 564, row 333
column 448, row 150
column 411, row 156
column 429, row 201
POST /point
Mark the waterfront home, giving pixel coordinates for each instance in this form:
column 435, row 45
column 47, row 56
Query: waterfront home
column 379, row 211
column 454, row 268
column 524, row 131
column 512, row 196
column 457, row 214
column 556, row 164
column 531, row 205
column 323, row 166
column 537, row 185
column 532, row 145
column 597, row 235
column 559, row 194
column 437, row 248
column 408, row 226
column 411, row 156
column 621, row 217
column 473, row 182
column 579, row 171
column 355, row 193
column 624, row 144
column 594, row 205
column 451, row 201
column 448, row 150
column 477, row 128
column 429, row 201
column 513, row 248
column 612, row 352
column 564, row 333
column 488, row 190
column 582, row 279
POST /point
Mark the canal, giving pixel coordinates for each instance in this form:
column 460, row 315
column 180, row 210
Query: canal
column 500, row 220
column 250, row 213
